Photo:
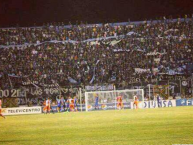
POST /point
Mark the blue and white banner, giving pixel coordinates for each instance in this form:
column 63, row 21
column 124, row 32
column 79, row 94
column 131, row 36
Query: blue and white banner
column 155, row 104
column 184, row 102
column 81, row 107
column 108, row 106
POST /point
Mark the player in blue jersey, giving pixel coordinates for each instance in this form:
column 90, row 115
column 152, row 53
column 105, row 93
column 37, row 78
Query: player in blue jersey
column 63, row 103
column 58, row 104
column 68, row 104
column 96, row 102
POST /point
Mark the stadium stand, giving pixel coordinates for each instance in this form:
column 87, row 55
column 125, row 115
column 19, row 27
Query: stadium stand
column 96, row 54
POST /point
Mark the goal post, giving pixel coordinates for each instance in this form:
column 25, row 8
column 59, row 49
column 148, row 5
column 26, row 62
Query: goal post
column 107, row 100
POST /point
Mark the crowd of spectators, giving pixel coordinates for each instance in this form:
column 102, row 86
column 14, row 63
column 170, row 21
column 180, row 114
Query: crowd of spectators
column 95, row 54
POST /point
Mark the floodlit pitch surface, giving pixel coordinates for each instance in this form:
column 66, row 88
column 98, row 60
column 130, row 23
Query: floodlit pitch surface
column 165, row 126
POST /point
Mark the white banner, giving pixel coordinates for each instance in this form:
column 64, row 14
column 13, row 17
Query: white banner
column 154, row 104
column 99, row 88
column 157, row 60
column 114, row 42
column 155, row 70
column 155, row 53
column 141, row 70
column 22, row 110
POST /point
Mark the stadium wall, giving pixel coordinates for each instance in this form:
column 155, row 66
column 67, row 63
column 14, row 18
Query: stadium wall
column 110, row 106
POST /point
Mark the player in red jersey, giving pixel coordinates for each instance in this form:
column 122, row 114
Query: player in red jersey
column 0, row 109
column 71, row 104
column 119, row 102
column 48, row 104
column 136, row 101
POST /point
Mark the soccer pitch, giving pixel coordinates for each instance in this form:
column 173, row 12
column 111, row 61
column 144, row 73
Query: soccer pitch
column 163, row 126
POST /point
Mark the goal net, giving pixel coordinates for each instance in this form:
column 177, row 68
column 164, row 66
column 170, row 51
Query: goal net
column 109, row 100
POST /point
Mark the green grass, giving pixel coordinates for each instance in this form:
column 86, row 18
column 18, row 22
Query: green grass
column 164, row 126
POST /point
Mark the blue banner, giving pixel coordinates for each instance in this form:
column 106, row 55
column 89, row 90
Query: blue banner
column 184, row 102
column 54, row 108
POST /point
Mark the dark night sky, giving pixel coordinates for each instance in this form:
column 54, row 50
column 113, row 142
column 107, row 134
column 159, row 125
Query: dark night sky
column 28, row 12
